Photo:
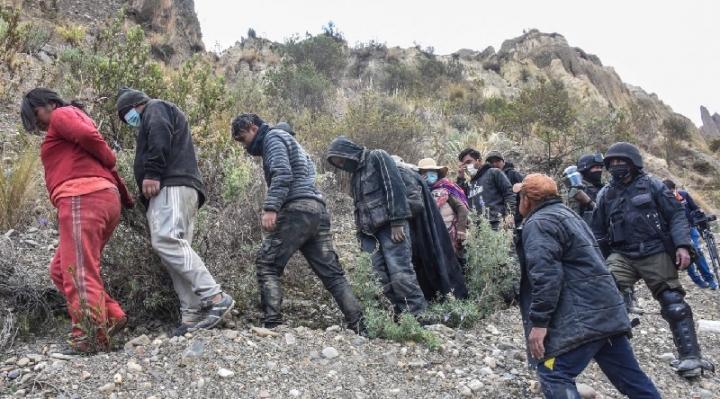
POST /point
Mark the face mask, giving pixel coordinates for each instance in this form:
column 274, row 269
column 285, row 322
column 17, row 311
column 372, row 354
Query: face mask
column 471, row 169
column 431, row 177
column 132, row 118
column 619, row 172
column 594, row 177
column 349, row 165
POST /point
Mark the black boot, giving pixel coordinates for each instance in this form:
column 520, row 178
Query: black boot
column 679, row 315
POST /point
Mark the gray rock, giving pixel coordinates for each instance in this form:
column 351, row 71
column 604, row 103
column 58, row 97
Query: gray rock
column 330, row 353
column 705, row 393
column 475, row 385
column 314, row 355
column 586, row 391
column 486, row 371
column 11, row 233
column 32, row 230
column 264, row 332
column 465, row 391
column 23, row 362
column 231, row 334
column 194, row 350
column 32, row 243
column 294, row 392
column 289, row 339
column 143, row 340
column 20, row 393
column 667, row 357
column 14, row 374
column 225, row 373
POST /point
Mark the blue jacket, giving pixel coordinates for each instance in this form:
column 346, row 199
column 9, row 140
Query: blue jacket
column 565, row 284
column 689, row 205
column 289, row 171
column 378, row 189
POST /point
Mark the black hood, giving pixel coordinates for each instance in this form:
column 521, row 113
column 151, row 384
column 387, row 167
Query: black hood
column 508, row 166
column 256, row 145
column 343, row 147
column 283, row 126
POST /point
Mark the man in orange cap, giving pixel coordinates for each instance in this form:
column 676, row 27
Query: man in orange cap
column 571, row 308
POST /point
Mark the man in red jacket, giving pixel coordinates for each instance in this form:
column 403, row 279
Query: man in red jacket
column 86, row 189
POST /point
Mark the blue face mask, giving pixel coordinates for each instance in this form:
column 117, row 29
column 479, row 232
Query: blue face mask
column 431, row 177
column 132, row 118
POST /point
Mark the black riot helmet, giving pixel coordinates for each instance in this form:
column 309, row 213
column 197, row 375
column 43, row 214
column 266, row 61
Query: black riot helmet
column 625, row 151
column 587, row 161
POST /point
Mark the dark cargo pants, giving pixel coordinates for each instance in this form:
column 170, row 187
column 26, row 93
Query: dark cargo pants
column 302, row 225
column 392, row 263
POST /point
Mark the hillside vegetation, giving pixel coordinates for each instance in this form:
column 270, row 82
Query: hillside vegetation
column 539, row 100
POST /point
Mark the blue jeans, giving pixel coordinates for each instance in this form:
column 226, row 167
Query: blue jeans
column 615, row 358
column 702, row 265
column 392, row 263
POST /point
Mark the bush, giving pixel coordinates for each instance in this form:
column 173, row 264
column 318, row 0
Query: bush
column 378, row 313
column 323, row 52
column 301, row 86
column 715, row 145
column 491, row 271
column 251, row 33
column 72, row 34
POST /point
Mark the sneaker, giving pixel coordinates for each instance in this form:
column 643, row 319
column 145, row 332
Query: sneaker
column 713, row 285
column 216, row 311
column 703, row 285
column 692, row 367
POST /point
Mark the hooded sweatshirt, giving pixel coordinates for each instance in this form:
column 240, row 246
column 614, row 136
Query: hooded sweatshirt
column 378, row 189
column 289, row 171
column 164, row 148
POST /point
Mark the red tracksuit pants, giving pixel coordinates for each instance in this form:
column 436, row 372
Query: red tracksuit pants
column 86, row 224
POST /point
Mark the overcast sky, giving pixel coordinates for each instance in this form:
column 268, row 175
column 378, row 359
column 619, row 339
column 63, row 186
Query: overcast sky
column 671, row 48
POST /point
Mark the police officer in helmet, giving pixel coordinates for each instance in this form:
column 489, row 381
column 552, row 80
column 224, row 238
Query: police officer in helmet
column 581, row 199
column 643, row 228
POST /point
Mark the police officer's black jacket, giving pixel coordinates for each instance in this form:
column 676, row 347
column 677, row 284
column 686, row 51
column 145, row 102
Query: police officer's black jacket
column 631, row 218
column 565, row 284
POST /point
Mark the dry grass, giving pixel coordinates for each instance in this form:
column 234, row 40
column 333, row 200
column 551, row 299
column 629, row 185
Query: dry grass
column 17, row 187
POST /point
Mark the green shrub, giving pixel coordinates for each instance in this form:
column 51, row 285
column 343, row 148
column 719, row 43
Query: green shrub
column 715, row 145
column 378, row 314
column 491, row 271
column 324, row 52
column 301, row 86
column 72, row 34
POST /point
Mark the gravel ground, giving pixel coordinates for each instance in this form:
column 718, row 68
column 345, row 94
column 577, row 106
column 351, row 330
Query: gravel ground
column 249, row 362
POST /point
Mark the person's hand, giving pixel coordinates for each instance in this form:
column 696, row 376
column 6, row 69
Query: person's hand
column 398, row 234
column 682, row 258
column 461, row 171
column 536, row 340
column 268, row 220
column 461, row 235
column 150, row 188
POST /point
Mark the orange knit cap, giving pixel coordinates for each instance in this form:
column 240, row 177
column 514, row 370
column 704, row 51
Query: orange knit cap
column 537, row 187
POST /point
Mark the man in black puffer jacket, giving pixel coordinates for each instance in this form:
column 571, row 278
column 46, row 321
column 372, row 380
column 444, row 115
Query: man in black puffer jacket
column 489, row 191
column 381, row 217
column 295, row 218
column 572, row 311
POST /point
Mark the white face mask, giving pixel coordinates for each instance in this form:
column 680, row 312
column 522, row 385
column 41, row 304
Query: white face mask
column 471, row 169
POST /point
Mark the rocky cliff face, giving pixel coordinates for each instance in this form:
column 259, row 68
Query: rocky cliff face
column 711, row 124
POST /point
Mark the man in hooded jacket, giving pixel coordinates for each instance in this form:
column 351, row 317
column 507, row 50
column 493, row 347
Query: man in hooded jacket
column 497, row 160
column 381, row 219
column 295, row 218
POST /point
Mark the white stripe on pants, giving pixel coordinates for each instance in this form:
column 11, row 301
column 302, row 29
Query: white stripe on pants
column 171, row 215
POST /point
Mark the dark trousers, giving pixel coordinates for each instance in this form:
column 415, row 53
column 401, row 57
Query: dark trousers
column 615, row 358
column 392, row 263
column 303, row 225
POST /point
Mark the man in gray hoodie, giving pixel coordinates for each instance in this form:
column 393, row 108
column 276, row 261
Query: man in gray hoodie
column 295, row 218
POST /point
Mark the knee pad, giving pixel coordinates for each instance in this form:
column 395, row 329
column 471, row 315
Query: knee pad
column 673, row 306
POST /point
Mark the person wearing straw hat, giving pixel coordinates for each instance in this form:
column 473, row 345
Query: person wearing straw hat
column 449, row 198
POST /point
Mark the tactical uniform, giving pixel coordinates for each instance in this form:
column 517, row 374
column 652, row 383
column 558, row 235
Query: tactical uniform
column 640, row 224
